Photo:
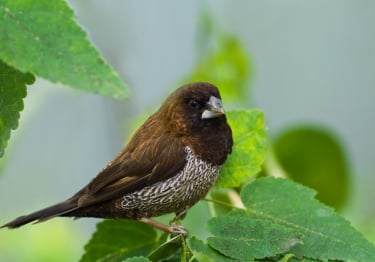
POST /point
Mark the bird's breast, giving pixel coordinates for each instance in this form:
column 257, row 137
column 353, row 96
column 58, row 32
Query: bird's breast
column 176, row 194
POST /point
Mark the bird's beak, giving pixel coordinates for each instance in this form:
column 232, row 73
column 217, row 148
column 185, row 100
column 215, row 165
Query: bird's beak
column 214, row 108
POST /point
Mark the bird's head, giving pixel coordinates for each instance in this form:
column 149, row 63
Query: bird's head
column 194, row 107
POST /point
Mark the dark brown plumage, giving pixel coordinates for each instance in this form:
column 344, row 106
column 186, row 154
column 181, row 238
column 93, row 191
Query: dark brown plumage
column 169, row 164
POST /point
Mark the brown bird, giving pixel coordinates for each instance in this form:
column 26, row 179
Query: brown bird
column 169, row 164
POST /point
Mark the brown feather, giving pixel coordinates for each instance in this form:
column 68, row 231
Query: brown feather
column 156, row 155
column 143, row 162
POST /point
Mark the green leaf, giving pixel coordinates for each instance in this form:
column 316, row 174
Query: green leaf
column 244, row 237
column 286, row 258
column 42, row 37
column 223, row 61
column 116, row 240
column 223, row 200
column 204, row 253
column 325, row 235
column 314, row 157
column 12, row 91
column 292, row 258
column 249, row 147
column 137, row 259
column 168, row 248
column 226, row 66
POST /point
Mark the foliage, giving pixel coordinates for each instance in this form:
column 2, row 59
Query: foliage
column 320, row 163
column 281, row 220
column 42, row 38
column 223, row 62
column 249, row 150
column 137, row 259
column 12, row 91
column 285, row 215
column 115, row 241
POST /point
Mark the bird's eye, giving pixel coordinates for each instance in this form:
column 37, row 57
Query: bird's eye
column 194, row 104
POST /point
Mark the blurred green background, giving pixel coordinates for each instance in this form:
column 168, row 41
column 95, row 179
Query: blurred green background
column 308, row 65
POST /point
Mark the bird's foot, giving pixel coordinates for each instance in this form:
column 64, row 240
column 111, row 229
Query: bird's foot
column 175, row 226
column 172, row 229
column 177, row 229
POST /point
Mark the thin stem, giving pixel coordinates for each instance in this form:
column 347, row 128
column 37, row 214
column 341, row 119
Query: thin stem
column 185, row 249
column 211, row 207
column 220, row 203
column 272, row 165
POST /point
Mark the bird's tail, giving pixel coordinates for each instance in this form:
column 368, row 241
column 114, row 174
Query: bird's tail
column 43, row 214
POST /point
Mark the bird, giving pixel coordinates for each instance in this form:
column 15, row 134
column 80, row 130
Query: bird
column 168, row 165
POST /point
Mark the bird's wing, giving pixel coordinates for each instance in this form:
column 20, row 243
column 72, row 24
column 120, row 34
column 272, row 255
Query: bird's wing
column 146, row 160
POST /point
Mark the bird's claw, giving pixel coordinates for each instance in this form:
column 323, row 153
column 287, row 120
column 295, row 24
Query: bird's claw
column 176, row 229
